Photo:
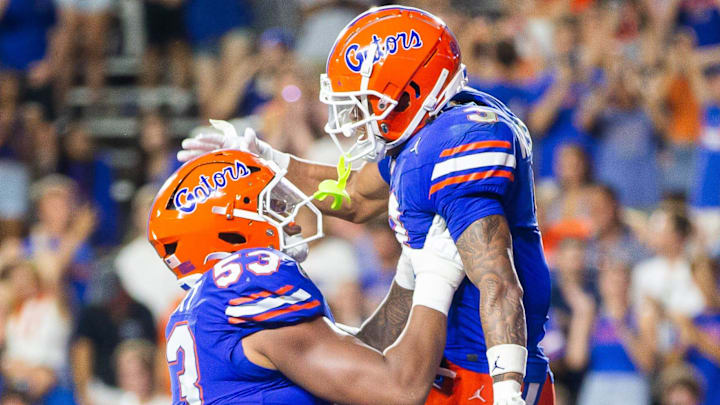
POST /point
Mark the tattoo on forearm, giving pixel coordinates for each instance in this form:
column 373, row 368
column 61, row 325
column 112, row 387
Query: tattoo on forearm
column 486, row 251
column 388, row 321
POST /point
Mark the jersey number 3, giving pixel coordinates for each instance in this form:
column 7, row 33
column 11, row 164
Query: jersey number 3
column 182, row 341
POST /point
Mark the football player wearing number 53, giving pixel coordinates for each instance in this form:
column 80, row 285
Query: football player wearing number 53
column 253, row 329
column 443, row 159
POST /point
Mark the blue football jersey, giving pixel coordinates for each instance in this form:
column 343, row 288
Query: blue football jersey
column 251, row 290
column 472, row 161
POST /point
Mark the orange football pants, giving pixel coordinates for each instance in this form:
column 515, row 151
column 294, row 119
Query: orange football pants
column 469, row 387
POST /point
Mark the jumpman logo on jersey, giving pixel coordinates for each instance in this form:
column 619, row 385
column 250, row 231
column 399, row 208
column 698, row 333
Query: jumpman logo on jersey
column 478, row 395
column 496, row 367
column 414, row 148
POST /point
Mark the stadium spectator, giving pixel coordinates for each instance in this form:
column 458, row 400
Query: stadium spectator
column 134, row 362
column 678, row 386
column 565, row 197
column 290, row 111
column 252, row 85
column 377, row 254
column 333, row 268
column 665, row 280
column 166, row 44
column 702, row 18
column 574, row 292
column 37, row 331
column 82, row 162
column 158, row 156
column 610, row 235
column 682, row 115
column 220, row 38
column 699, row 336
column 503, row 74
column 100, row 329
column 142, row 274
column 322, row 19
column 552, row 118
column 14, row 397
column 621, row 117
column 60, row 237
column 25, row 48
column 610, row 343
column 83, row 28
column 15, row 174
column 706, row 187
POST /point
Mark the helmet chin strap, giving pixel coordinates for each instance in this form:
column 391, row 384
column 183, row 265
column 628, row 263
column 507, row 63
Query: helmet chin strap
column 297, row 252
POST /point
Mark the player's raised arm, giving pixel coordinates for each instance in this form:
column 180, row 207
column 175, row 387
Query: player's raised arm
column 367, row 190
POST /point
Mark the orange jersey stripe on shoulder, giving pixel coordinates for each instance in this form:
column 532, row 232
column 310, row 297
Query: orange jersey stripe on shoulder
column 234, row 321
column 262, row 294
column 474, row 146
column 292, row 308
column 471, row 177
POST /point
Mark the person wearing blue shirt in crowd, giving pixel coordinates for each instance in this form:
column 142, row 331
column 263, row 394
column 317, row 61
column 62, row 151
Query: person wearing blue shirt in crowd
column 699, row 335
column 702, row 18
column 24, row 29
column 705, row 197
column 609, row 343
column 219, row 35
column 557, row 95
column 624, row 120
column 514, row 93
column 25, row 41
column 94, row 176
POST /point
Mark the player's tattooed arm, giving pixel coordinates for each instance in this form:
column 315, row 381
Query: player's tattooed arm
column 486, row 251
column 389, row 319
column 339, row 368
column 367, row 189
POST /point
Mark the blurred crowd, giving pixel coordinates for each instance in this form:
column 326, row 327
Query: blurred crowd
column 622, row 99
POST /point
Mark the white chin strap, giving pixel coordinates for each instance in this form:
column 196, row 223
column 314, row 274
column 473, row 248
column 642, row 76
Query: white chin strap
column 298, row 251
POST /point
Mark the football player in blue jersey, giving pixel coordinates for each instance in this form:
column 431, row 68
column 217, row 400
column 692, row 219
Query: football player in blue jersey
column 253, row 329
column 458, row 163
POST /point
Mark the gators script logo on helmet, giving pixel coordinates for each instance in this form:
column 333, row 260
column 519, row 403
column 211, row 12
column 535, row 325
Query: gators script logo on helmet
column 220, row 203
column 390, row 68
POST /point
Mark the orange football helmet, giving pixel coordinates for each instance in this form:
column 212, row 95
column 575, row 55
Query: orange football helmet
column 220, row 203
column 390, row 68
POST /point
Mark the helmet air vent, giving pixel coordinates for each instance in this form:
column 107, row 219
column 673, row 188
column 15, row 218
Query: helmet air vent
column 232, row 237
column 170, row 248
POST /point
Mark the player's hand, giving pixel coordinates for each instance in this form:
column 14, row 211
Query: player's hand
column 229, row 139
column 508, row 392
column 437, row 268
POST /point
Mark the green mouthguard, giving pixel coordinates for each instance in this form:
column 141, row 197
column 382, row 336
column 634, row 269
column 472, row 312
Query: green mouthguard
column 335, row 188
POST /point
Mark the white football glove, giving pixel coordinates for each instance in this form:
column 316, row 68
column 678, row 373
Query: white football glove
column 229, row 139
column 437, row 267
column 507, row 392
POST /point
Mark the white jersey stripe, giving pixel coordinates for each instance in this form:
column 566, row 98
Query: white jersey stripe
column 266, row 304
column 472, row 161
